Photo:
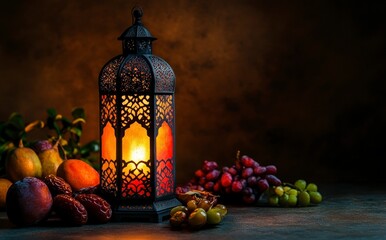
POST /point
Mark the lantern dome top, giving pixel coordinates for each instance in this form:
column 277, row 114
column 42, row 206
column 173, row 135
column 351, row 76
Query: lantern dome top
column 137, row 30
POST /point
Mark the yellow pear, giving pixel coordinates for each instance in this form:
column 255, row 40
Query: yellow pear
column 22, row 162
column 50, row 160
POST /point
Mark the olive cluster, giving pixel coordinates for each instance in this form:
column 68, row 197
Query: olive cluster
column 198, row 210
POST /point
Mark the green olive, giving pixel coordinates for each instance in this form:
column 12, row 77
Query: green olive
column 178, row 219
column 204, row 204
column 179, row 208
column 191, row 205
column 222, row 209
column 197, row 218
column 214, row 216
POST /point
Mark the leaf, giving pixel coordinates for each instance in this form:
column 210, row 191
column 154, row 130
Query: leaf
column 78, row 120
column 52, row 113
column 78, row 113
column 65, row 123
column 76, row 131
column 33, row 125
column 90, row 147
column 16, row 121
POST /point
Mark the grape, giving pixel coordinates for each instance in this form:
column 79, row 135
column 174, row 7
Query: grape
column 247, row 172
column 315, row 197
column 293, row 192
column 248, row 191
column 273, row 200
column 226, row 179
column 283, row 200
column 311, row 187
column 247, row 161
column 212, row 175
column 217, row 186
column 273, row 180
column 199, row 173
column 287, row 189
column 303, row 199
column 209, row 186
column 249, row 198
column 263, row 185
column 202, row 181
column 252, row 181
column 232, row 171
column 292, row 200
column 259, row 170
column 209, row 166
column 237, row 186
column 301, row 184
column 279, row 191
column 271, row 169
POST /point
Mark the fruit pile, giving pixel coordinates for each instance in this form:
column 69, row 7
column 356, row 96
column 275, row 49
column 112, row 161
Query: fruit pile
column 199, row 209
column 245, row 180
column 292, row 195
column 31, row 200
column 43, row 183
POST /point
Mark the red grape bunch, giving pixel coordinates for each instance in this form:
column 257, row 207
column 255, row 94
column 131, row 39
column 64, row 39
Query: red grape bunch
column 245, row 180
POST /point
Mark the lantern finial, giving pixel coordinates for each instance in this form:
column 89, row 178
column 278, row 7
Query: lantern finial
column 137, row 14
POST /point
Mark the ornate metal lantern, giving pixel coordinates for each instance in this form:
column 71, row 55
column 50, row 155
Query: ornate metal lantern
column 137, row 127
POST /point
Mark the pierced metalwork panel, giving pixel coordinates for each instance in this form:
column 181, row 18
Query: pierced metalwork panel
column 165, row 162
column 165, row 110
column 135, row 108
column 165, row 179
column 135, row 75
column 108, row 110
column 108, row 75
column 109, row 176
column 136, row 181
column 163, row 74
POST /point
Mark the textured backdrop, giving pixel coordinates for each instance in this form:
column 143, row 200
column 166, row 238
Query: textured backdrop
column 300, row 84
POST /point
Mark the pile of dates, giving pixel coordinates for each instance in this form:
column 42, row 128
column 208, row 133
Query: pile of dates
column 199, row 209
column 77, row 208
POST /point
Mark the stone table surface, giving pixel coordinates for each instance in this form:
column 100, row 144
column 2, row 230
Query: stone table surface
column 347, row 212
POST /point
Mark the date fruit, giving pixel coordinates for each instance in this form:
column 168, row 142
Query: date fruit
column 70, row 210
column 98, row 209
column 57, row 185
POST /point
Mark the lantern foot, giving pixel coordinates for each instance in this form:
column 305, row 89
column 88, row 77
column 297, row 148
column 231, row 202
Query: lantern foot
column 155, row 212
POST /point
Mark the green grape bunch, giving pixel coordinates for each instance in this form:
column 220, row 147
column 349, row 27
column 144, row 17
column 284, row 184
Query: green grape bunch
column 299, row 194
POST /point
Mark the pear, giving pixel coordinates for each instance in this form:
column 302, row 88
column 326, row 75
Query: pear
column 50, row 160
column 22, row 162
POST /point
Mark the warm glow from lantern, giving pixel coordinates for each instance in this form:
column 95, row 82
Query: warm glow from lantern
column 108, row 142
column 138, row 153
column 136, row 147
column 164, row 142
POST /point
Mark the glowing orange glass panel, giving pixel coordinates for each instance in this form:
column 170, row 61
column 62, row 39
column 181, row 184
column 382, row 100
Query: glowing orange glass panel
column 108, row 142
column 136, row 147
column 164, row 142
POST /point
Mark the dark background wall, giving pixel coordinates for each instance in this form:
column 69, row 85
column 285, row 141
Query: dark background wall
column 300, row 84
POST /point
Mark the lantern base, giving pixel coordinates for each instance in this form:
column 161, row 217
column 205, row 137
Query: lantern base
column 154, row 212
